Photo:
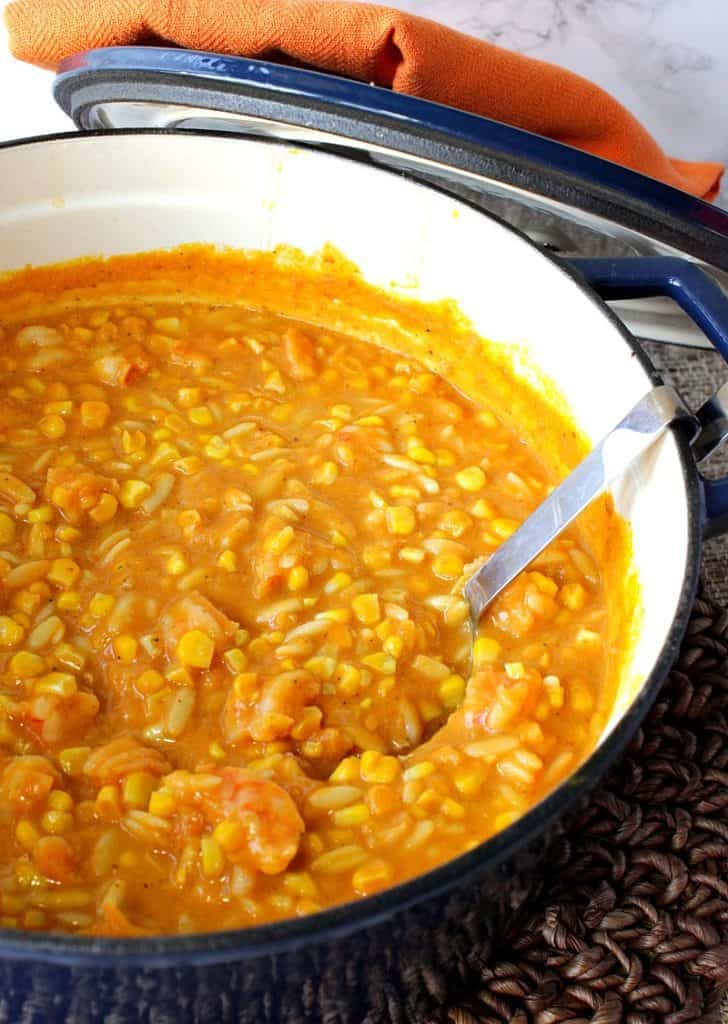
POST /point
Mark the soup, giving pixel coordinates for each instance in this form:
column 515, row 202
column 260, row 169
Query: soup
column 238, row 677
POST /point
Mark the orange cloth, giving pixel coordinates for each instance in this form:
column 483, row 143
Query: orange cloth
column 371, row 43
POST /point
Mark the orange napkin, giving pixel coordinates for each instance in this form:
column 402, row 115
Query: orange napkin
column 371, row 43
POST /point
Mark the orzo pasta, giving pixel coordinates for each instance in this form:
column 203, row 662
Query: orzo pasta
column 236, row 679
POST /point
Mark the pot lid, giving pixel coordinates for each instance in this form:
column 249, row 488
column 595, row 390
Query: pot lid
column 567, row 200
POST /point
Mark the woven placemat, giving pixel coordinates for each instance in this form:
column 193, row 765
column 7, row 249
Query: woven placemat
column 632, row 922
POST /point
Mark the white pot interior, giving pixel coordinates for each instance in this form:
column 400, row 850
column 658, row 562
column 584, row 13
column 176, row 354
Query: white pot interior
column 114, row 194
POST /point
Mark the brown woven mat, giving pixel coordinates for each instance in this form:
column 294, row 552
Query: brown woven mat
column 633, row 922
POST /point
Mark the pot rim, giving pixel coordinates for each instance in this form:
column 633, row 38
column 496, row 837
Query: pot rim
column 345, row 919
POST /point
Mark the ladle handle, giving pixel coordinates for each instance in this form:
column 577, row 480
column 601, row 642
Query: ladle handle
column 639, row 429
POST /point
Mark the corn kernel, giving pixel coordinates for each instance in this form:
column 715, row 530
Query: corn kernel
column 366, row 608
column 245, row 685
column 7, row 529
column 381, row 662
column 64, row 572
column 338, row 582
column 164, row 453
column 105, row 509
column 307, row 724
column 452, row 808
column 413, row 555
column 515, row 669
column 485, row 650
column 56, row 823
column 217, row 448
column 52, row 426
column 179, row 676
column 348, row 680
column 25, row 665
column 216, row 751
column 230, row 835
column 133, row 441
column 137, row 789
column 72, row 759
column 63, row 684
column 177, row 564
column 298, row 578
column 554, row 691
column 421, row 454
column 235, row 660
column 452, row 691
column 504, row 528
column 580, row 698
column 573, row 596
column 67, row 533
column 201, row 416
column 125, row 647
column 59, row 800
column 10, row 632
column 375, row 557
column 347, row 770
column 400, row 520
column 321, row 666
column 277, row 543
column 376, row 767
column 162, row 804
column 394, row 645
column 188, row 397
column 100, row 605
column 69, row 601
column 445, row 458
column 469, row 781
column 228, row 561
column 42, row 514
column 94, row 415
column 196, row 649
column 213, row 862
column 447, row 567
column 133, row 493
column 471, row 479
column 27, row 834
column 357, row 814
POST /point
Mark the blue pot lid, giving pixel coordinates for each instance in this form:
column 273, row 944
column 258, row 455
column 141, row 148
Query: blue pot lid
column 559, row 190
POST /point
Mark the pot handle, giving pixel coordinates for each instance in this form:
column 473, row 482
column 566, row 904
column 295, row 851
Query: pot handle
column 707, row 305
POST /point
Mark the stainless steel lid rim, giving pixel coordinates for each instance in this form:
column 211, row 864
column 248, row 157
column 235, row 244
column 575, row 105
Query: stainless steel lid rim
column 393, row 126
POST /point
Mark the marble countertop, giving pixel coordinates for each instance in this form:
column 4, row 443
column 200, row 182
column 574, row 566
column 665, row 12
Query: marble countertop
column 667, row 60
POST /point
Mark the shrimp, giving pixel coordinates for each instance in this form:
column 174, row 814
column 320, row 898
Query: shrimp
column 275, row 711
column 25, row 782
column 272, row 826
column 193, row 611
column 118, row 371
column 53, row 718
column 300, row 354
column 484, row 708
column 122, row 757
column 522, row 607
column 76, row 490
column 115, row 924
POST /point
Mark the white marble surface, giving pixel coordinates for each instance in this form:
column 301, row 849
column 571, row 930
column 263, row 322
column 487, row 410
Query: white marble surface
column 667, row 60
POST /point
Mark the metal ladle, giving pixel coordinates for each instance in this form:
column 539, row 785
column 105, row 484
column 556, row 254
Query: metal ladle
column 641, row 427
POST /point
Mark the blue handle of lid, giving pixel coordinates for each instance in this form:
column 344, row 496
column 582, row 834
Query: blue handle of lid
column 703, row 301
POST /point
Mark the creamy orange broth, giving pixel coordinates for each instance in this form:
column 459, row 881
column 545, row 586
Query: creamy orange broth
column 238, row 494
